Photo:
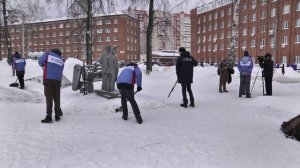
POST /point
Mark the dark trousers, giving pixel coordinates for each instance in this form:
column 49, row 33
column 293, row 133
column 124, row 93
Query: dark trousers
column 128, row 94
column 245, row 85
column 52, row 93
column 20, row 75
column 187, row 87
column 268, row 84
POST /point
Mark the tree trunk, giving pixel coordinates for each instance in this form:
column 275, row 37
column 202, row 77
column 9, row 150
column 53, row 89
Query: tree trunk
column 0, row 39
column 149, row 38
column 6, row 33
column 88, row 33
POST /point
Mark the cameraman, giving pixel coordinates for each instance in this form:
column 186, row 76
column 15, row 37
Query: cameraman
column 268, row 66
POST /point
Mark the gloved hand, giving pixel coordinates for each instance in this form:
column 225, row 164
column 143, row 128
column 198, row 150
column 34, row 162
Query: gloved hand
column 139, row 88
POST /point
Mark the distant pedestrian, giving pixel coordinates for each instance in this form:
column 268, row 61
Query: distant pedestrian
column 126, row 80
column 184, row 70
column 19, row 64
column 53, row 65
column 222, row 70
column 245, row 67
column 282, row 69
column 268, row 67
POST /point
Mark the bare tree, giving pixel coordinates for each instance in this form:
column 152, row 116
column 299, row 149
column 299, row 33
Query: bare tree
column 86, row 8
column 154, row 20
column 6, row 32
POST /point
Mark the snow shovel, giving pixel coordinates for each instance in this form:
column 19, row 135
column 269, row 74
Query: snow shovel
column 172, row 88
column 15, row 84
column 120, row 108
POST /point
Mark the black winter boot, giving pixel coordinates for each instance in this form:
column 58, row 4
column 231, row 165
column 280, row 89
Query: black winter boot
column 184, row 105
column 57, row 117
column 48, row 119
column 139, row 120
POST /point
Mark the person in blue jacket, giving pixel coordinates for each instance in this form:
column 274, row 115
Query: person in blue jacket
column 126, row 80
column 53, row 65
column 245, row 67
column 19, row 64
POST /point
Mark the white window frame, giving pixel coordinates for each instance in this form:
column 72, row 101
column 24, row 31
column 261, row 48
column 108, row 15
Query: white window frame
column 286, row 9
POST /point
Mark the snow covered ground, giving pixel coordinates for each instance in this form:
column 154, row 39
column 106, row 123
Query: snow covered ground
column 222, row 131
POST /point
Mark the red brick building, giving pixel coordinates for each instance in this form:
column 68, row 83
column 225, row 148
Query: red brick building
column 69, row 35
column 264, row 26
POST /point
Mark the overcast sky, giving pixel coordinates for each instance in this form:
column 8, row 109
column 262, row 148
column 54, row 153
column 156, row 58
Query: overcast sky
column 187, row 6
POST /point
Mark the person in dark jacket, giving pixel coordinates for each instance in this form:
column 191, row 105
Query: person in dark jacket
column 184, row 70
column 268, row 67
column 53, row 65
column 126, row 80
column 19, row 64
column 224, row 75
column 282, row 69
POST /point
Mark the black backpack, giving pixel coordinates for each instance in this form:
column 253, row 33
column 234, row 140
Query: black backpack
column 291, row 128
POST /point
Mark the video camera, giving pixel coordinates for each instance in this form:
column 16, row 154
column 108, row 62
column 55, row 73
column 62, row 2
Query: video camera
column 260, row 58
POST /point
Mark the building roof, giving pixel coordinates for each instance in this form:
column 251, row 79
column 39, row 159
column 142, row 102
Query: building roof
column 73, row 18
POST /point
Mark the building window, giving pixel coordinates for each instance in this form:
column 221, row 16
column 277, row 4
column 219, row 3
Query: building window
column 263, row 15
column 99, row 39
column 298, row 6
column 253, row 43
column 41, row 27
column 263, row 2
column 263, row 28
column 285, row 40
column 254, row 4
column 254, row 17
column 253, row 30
column 115, row 21
column 273, row 12
column 99, row 22
column 54, row 26
column 229, row 11
column 115, row 29
column 107, row 30
column 61, row 25
column 285, row 24
column 107, row 21
column 222, row 13
column 61, row 33
column 272, row 42
column 216, row 26
column 75, row 25
column 286, row 9
column 297, row 38
column 245, row 19
column 116, row 38
column 107, row 38
column 216, row 15
column 54, row 34
column 298, row 22
column 68, row 25
column 297, row 59
column 245, row 31
column 262, row 42
column 284, row 59
column 99, row 31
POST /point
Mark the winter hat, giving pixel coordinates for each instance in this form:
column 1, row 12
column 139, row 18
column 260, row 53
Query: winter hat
column 17, row 55
column 182, row 49
column 246, row 53
column 57, row 51
column 268, row 55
